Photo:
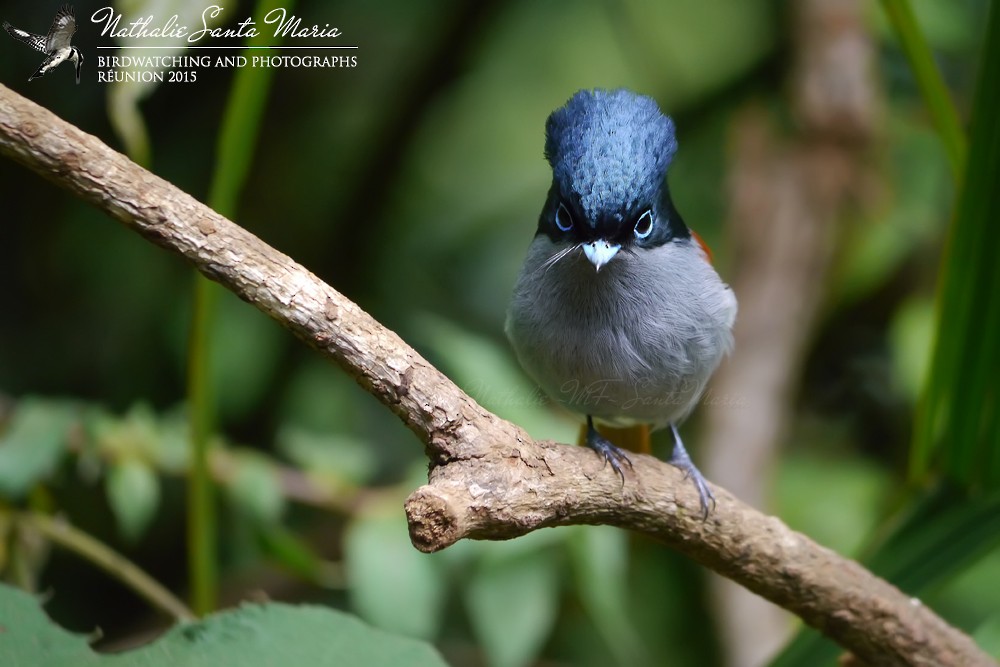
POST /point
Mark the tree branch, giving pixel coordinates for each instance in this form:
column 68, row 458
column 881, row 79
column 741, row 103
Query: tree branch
column 488, row 478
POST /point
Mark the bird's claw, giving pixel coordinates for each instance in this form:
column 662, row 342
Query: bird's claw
column 705, row 495
column 615, row 456
column 610, row 453
column 680, row 459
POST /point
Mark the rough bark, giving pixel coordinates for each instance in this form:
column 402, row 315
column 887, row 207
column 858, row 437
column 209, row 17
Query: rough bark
column 488, row 478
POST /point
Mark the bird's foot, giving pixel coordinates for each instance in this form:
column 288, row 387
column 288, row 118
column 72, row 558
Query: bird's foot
column 680, row 459
column 611, row 454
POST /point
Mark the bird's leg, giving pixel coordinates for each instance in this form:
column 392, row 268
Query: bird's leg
column 680, row 459
column 613, row 455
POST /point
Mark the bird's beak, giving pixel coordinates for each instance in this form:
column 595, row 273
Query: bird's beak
column 600, row 252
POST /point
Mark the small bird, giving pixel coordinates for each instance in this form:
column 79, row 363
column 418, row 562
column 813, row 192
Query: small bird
column 617, row 313
column 56, row 45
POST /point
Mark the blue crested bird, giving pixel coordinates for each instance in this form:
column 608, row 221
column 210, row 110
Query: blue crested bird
column 617, row 313
column 56, row 45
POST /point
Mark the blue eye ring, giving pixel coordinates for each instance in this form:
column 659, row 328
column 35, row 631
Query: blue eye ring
column 644, row 225
column 564, row 221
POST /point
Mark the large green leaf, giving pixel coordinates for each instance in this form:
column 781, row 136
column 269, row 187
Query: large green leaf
column 251, row 636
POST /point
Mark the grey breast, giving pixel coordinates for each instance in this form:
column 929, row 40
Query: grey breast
column 633, row 343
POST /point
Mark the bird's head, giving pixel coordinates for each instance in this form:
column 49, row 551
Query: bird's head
column 609, row 152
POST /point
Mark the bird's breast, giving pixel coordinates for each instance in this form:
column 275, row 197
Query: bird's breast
column 634, row 342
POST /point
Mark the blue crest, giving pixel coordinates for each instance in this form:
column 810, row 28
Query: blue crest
column 610, row 150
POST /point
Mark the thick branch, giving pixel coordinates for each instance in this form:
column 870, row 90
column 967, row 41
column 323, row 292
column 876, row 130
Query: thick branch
column 489, row 479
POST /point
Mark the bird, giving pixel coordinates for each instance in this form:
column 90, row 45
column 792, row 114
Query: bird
column 617, row 313
column 56, row 45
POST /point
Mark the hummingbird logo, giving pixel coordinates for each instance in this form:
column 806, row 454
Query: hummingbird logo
column 56, row 45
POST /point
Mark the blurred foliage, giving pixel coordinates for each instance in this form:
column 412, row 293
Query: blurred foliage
column 932, row 86
column 413, row 183
column 942, row 531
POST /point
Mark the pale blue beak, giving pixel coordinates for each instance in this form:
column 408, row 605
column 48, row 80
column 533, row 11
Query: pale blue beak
column 600, row 252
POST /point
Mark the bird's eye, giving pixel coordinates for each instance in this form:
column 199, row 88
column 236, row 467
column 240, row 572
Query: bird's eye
column 644, row 225
column 564, row 221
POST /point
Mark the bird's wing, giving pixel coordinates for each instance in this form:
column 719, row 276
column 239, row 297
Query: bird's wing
column 36, row 42
column 61, row 32
column 45, row 67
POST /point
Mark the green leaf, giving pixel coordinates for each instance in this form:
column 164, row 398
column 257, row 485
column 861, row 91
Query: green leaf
column 256, row 489
column 513, row 599
column 931, row 83
column 298, row 557
column 171, row 450
column 942, row 534
column 251, row 636
column 242, row 119
column 958, row 425
column 912, row 333
column 241, row 333
column 30, row 638
column 987, row 635
column 600, row 559
column 134, row 494
column 135, row 434
column 33, row 444
column 334, row 456
column 836, row 500
column 392, row 585
column 322, row 400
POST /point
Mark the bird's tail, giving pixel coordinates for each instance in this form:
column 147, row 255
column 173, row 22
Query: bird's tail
column 632, row 438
